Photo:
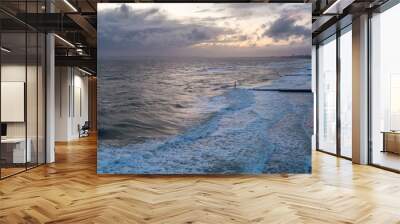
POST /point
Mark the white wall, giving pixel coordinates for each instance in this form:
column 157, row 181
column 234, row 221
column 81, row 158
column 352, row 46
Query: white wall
column 80, row 109
column 71, row 87
column 14, row 72
column 62, row 82
column 33, row 126
column 17, row 73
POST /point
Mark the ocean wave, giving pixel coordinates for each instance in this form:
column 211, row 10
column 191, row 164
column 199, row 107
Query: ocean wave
column 177, row 120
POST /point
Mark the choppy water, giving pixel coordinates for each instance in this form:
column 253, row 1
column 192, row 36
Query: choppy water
column 154, row 98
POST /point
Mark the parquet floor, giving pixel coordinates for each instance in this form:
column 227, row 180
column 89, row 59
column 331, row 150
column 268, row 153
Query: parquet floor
column 69, row 191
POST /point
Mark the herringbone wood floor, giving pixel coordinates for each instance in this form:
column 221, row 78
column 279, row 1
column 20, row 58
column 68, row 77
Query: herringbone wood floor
column 70, row 191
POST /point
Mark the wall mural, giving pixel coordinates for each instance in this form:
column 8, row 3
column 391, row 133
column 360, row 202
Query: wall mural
column 190, row 88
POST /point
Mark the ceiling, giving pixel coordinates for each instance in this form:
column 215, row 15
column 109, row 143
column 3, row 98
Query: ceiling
column 75, row 22
column 331, row 15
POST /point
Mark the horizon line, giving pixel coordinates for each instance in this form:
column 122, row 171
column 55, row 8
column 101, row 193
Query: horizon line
column 182, row 56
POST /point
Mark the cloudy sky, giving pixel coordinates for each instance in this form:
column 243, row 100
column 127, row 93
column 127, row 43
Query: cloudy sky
column 198, row 29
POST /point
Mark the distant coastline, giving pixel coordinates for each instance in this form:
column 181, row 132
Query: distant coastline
column 129, row 57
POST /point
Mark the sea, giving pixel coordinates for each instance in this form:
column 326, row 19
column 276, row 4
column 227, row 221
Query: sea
column 144, row 99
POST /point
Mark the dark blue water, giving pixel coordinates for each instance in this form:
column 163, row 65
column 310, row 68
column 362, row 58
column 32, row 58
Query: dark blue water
column 143, row 99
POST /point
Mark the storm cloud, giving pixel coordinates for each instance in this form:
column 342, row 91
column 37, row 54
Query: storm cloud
column 148, row 29
column 284, row 28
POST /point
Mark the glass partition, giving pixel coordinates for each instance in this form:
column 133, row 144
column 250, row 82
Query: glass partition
column 327, row 95
column 346, row 93
column 22, row 88
column 31, row 99
column 13, row 109
column 385, row 89
column 41, row 96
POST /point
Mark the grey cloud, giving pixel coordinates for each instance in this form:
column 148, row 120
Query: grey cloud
column 211, row 10
column 203, row 10
column 198, row 35
column 124, row 10
column 243, row 37
column 284, row 27
column 125, row 31
column 150, row 30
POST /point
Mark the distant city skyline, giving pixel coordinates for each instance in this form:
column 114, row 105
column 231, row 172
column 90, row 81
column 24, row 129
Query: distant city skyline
column 204, row 30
